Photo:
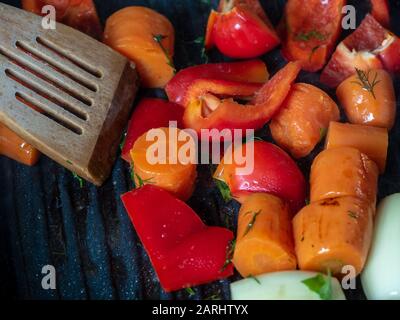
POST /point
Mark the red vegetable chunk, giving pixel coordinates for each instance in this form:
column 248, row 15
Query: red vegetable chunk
column 273, row 172
column 251, row 71
column 311, row 29
column 150, row 113
column 240, row 29
column 183, row 250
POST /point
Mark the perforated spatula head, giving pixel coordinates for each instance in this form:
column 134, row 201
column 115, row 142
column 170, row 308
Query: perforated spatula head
column 63, row 92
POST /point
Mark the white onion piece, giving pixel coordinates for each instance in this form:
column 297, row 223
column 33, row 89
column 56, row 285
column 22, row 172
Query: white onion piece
column 285, row 285
column 381, row 275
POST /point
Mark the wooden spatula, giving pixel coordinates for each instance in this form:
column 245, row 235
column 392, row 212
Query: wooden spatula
column 63, row 92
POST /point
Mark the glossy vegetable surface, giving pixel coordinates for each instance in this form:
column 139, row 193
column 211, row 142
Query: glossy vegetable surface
column 284, row 285
column 78, row 14
column 369, row 98
column 380, row 11
column 343, row 172
column 264, row 241
column 380, row 278
column 241, row 29
column 303, row 120
column 159, row 161
column 182, row 249
column 12, row 146
column 150, row 46
column 210, row 112
column 372, row 141
column 273, row 172
column 333, row 233
column 150, row 113
column 252, row 71
column 311, row 29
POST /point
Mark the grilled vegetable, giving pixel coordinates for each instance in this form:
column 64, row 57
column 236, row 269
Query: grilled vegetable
column 368, row 98
column 159, row 162
column 332, row 233
column 371, row 141
column 311, row 29
column 304, row 117
column 78, row 14
column 145, row 37
column 286, row 285
column 370, row 46
column 380, row 11
column 274, row 172
column 208, row 111
column 252, row 71
column 183, row 250
column 380, row 278
column 240, row 29
column 150, row 113
column 264, row 240
column 12, row 146
column 343, row 172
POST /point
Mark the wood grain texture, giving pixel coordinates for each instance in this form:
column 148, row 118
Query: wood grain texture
column 46, row 218
column 83, row 88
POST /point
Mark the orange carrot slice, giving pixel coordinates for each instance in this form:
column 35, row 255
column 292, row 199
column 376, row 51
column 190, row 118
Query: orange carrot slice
column 145, row 37
column 167, row 170
column 372, row 141
column 332, row 233
column 264, row 240
column 303, row 120
column 14, row 147
column 342, row 172
column 375, row 106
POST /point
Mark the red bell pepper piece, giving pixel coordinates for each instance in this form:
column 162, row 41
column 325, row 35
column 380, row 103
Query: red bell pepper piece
column 251, row 71
column 380, row 11
column 311, row 29
column 150, row 113
column 359, row 50
column 367, row 37
column 220, row 88
column 344, row 62
column 78, row 14
column 390, row 54
column 274, row 172
column 240, row 29
column 183, row 250
column 209, row 112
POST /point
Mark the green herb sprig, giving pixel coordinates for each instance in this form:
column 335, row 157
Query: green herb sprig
column 141, row 182
column 365, row 82
column 190, row 291
column 230, row 249
column 254, row 278
column 158, row 38
column 320, row 284
column 352, row 214
column 313, row 34
column 80, row 180
column 224, row 190
column 251, row 222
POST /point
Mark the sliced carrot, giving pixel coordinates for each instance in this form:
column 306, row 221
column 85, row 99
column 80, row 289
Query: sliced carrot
column 375, row 106
column 332, row 233
column 372, row 141
column 342, row 172
column 14, row 147
column 303, row 119
column 145, row 37
column 169, row 171
column 264, row 238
